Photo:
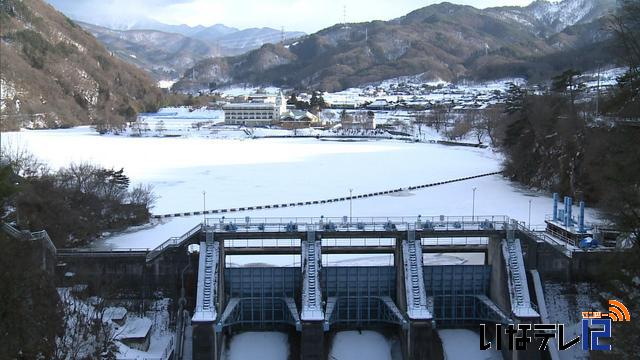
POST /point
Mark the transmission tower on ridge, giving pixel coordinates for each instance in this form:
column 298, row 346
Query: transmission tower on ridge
column 344, row 18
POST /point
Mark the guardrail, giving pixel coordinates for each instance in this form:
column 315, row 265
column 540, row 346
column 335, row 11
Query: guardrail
column 11, row 231
column 33, row 236
column 543, row 236
column 172, row 242
column 44, row 236
column 88, row 252
column 359, row 224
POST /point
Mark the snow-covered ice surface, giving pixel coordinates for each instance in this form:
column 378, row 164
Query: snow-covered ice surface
column 257, row 345
column 462, row 344
column 355, row 345
column 237, row 173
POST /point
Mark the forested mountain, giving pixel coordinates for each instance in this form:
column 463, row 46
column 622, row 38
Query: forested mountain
column 167, row 55
column 582, row 144
column 164, row 55
column 443, row 41
column 55, row 74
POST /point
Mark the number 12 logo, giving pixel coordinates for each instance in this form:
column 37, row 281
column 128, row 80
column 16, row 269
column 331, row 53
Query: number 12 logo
column 590, row 336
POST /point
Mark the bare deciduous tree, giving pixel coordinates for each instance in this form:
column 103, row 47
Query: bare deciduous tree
column 21, row 160
column 160, row 127
column 419, row 121
column 87, row 332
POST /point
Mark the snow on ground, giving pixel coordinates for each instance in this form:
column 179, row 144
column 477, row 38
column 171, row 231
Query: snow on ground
column 176, row 121
column 257, row 345
column 355, row 345
column 608, row 77
column 82, row 340
column 268, row 171
column 246, row 90
column 565, row 304
column 166, row 84
column 462, row 344
column 161, row 337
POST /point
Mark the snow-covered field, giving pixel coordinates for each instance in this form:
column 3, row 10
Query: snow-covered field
column 241, row 173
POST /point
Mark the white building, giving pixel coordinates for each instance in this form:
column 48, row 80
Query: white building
column 260, row 110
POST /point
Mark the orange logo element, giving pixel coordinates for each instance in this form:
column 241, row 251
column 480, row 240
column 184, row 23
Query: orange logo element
column 617, row 311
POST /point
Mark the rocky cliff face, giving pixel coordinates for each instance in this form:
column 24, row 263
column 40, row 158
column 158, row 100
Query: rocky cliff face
column 54, row 74
column 549, row 17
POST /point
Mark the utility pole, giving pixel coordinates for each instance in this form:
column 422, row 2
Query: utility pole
column 473, row 205
column 204, row 205
column 350, row 206
column 598, row 93
column 529, row 214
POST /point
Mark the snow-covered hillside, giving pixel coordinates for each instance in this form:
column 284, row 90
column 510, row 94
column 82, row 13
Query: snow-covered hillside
column 555, row 16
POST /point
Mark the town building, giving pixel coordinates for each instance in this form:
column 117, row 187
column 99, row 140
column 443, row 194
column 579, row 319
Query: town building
column 380, row 104
column 297, row 119
column 358, row 121
column 258, row 110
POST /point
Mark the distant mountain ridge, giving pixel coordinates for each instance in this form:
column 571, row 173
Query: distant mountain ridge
column 442, row 41
column 166, row 51
column 162, row 54
column 167, row 55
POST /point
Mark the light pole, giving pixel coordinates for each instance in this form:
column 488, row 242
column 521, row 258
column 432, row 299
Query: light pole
column 530, row 214
column 350, row 206
column 204, row 205
column 473, row 204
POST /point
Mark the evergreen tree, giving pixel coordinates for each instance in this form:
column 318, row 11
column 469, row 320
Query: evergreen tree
column 317, row 102
column 569, row 84
column 293, row 100
column 515, row 98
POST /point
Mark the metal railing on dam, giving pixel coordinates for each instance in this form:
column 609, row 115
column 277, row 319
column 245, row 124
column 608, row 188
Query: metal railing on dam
column 362, row 225
column 258, row 235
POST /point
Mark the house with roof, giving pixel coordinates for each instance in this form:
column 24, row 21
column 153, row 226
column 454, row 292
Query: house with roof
column 297, row 119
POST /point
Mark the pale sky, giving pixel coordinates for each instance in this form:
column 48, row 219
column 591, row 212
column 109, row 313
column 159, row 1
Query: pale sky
column 299, row 15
